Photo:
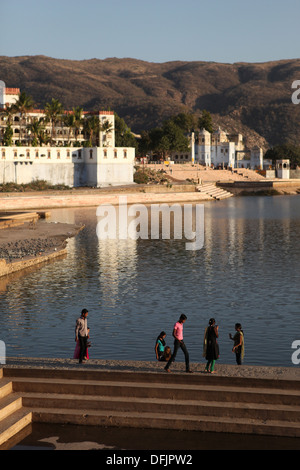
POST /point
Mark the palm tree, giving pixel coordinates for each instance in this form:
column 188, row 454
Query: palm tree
column 8, row 135
column 37, row 128
column 8, row 112
column 106, row 127
column 91, row 128
column 53, row 112
column 24, row 104
column 78, row 120
column 69, row 121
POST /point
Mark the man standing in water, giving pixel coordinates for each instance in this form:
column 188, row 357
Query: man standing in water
column 81, row 333
column 178, row 343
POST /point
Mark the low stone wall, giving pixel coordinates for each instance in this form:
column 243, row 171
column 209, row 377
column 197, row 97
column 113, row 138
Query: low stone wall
column 44, row 201
column 267, row 186
column 9, row 268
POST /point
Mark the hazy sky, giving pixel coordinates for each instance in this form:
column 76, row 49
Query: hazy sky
column 152, row 30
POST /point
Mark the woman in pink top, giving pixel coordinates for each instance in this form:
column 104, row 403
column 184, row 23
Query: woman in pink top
column 178, row 343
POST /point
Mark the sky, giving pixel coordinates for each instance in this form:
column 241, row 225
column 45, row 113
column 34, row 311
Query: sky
column 153, row 30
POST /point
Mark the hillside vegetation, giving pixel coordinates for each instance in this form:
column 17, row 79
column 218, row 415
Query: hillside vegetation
column 253, row 99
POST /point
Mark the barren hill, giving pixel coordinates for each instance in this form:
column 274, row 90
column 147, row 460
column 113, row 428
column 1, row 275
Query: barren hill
column 253, row 99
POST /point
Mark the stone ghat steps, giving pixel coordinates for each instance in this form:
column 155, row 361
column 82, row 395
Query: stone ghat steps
column 171, row 391
column 152, row 420
column 213, row 191
column 202, row 402
column 163, row 406
column 13, row 416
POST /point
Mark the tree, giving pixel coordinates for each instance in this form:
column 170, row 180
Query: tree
column 205, row 121
column 91, row 128
column 175, row 136
column 186, row 121
column 8, row 112
column 123, row 134
column 53, row 112
column 77, row 120
column 69, row 121
column 170, row 137
column 37, row 130
column 284, row 151
column 23, row 105
column 8, row 135
column 144, row 143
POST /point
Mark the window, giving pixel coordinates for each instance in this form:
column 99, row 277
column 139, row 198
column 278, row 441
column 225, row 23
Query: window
column 91, row 153
column 49, row 154
column 115, row 154
column 125, row 153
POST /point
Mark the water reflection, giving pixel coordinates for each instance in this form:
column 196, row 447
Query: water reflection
column 117, row 269
column 247, row 271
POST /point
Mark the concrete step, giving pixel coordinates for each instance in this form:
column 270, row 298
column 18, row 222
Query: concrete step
column 9, row 405
column 13, row 418
column 166, row 421
column 14, row 423
column 5, row 387
column 82, row 375
column 162, row 390
column 213, row 191
column 158, row 405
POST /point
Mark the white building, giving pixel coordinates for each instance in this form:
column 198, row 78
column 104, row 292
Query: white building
column 283, row 168
column 224, row 150
column 8, row 96
column 83, row 166
column 220, row 150
column 64, row 163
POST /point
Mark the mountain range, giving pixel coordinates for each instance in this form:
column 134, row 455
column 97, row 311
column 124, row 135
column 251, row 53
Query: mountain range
column 253, row 99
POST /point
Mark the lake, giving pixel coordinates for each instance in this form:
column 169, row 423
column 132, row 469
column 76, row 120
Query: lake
column 247, row 271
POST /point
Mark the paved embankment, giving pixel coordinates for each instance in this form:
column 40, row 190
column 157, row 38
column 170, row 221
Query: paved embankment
column 227, row 370
column 95, row 197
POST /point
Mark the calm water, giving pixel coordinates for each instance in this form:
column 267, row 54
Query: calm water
column 247, row 272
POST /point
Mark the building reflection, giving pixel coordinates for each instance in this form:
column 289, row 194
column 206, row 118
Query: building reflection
column 117, row 257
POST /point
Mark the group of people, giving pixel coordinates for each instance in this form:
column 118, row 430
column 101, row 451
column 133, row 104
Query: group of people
column 162, row 351
column 210, row 345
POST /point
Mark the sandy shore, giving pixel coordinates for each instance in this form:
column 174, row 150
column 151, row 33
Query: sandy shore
column 25, row 241
column 226, row 370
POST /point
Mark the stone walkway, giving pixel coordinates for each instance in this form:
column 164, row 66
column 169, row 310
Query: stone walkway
column 247, row 371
